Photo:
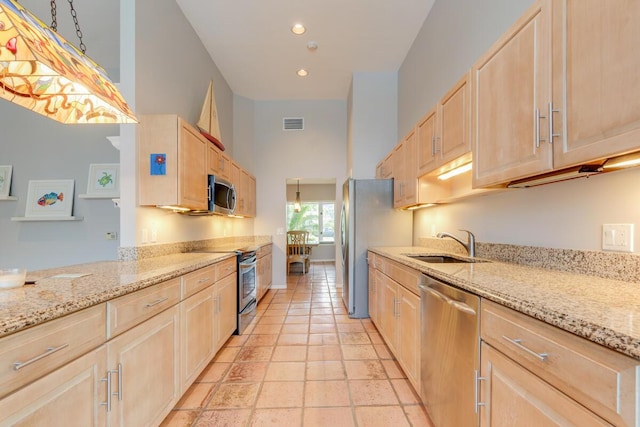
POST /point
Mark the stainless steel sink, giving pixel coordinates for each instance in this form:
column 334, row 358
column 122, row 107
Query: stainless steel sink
column 441, row 259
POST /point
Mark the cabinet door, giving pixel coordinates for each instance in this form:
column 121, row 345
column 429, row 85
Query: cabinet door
column 197, row 334
column 410, row 173
column 72, row 395
column 224, row 170
column 399, row 174
column 388, row 293
column 454, row 113
column 373, row 294
column 226, row 296
column 193, row 168
column 427, row 147
column 213, row 159
column 513, row 396
column 148, row 359
column 510, row 91
column 409, row 335
column 595, row 69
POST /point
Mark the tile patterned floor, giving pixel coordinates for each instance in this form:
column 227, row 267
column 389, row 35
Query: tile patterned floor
column 302, row 362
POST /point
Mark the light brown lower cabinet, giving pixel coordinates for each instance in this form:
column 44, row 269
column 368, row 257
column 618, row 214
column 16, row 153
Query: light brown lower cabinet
column 397, row 313
column 73, row 395
column 264, row 271
column 144, row 363
column 135, row 362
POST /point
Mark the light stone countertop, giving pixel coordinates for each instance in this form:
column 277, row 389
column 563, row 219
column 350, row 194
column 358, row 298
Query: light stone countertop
column 51, row 298
column 604, row 311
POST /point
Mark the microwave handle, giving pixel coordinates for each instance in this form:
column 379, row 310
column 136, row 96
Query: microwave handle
column 232, row 196
column 209, row 192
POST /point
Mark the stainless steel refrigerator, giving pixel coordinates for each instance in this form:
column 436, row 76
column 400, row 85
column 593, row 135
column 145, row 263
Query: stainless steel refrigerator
column 367, row 219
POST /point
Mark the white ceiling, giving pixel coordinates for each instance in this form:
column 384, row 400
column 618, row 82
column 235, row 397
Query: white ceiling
column 251, row 43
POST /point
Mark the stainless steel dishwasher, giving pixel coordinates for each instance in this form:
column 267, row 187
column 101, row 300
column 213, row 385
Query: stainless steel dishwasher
column 450, row 346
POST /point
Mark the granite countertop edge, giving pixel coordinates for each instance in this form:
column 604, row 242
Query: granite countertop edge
column 50, row 298
column 600, row 310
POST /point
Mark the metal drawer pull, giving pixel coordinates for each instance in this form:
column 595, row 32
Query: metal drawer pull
column 161, row 300
column 108, row 381
column 478, row 378
column 517, row 342
column 50, row 350
column 204, row 279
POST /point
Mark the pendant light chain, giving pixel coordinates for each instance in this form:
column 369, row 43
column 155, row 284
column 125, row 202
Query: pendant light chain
column 74, row 15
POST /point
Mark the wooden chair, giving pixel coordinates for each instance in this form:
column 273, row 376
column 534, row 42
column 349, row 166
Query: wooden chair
column 297, row 249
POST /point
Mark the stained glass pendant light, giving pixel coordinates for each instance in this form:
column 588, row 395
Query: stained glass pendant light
column 41, row 71
column 296, row 205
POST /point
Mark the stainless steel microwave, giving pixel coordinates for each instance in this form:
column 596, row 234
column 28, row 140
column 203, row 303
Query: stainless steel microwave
column 222, row 196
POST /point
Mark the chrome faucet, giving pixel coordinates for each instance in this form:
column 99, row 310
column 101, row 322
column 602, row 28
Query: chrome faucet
column 470, row 246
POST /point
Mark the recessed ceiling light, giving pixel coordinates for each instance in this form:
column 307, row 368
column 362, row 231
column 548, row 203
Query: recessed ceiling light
column 302, row 72
column 298, row 29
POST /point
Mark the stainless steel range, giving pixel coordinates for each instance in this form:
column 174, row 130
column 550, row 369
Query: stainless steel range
column 247, row 280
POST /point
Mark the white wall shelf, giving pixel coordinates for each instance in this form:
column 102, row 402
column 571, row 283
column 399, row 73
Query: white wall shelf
column 52, row 218
column 97, row 196
column 3, row 198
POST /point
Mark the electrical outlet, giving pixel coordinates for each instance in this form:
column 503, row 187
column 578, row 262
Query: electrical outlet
column 111, row 235
column 617, row 237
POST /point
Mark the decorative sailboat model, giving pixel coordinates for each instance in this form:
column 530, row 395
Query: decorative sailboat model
column 208, row 123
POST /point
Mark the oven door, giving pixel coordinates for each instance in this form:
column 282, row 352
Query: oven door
column 246, row 282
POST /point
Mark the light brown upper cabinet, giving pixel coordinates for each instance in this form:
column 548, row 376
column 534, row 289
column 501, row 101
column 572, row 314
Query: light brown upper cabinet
column 559, row 89
column 444, row 133
column 511, row 94
column 595, row 79
column 384, row 169
column 405, row 179
column 180, row 178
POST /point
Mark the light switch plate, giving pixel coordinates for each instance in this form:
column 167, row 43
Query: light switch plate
column 617, row 237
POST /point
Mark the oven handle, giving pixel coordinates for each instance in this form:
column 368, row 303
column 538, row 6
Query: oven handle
column 250, row 307
column 248, row 262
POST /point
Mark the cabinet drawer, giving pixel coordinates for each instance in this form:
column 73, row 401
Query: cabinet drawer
column 127, row 311
column 225, row 268
column 406, row 276
column 264, row 250
column 599, row 378
column 197, row 280
column 30, row 354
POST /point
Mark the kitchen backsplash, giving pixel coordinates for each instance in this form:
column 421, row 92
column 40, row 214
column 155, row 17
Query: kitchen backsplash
column 609, row 265
column 135, row 253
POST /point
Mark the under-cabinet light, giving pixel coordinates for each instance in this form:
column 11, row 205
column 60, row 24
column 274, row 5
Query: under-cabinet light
column 455, row 172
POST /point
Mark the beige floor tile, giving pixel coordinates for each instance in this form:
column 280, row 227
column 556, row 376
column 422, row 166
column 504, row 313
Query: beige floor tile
column 300, row 305
column 274, row 305
column 383, row 351
column 285, row 371
column 236, row 340
column 227, row 354
column 322, row 311
column 178, row 418
column 324, row 352
column 354, row 338
column 213, row 373
column 281, row 394
column 231, row 395
column 322, row 319
column 224, row 418
column 417, row 416
column 324, row 417
column 372, row 392
column 277, row 418
column 323, row 339
column 293, row 339
column 196, row 397
column 364, row 370
column 381, row 416
column 326, row 393
column 269, row 319
column 254, row 354
column 350, row 327
column 296, row 320
column 393, row 369
column 359, row 352
column 322, row 328
column 275, row 312
column 316, row 305
column 267, row 329
column 299, row 311
column 289, row 353
column 302, row 328
column 405, row 391
column 261, row 340
column 325, row 370
column 248, row 372
column 376, row 338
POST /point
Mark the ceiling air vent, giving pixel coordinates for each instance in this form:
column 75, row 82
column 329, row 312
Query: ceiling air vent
column 293, row 123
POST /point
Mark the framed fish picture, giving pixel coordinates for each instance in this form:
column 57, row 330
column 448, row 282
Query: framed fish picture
column 104, row 180
column 5, row 180
column 49, row 198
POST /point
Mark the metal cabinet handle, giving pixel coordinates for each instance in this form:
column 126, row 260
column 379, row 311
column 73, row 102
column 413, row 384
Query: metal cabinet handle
column 518, row 343
column 48, row 352
column 205, row 279
column 551, row 134
column 478, row 378
column 107, row 379
column 159, row 301
column 397, row 302
column 119, row 371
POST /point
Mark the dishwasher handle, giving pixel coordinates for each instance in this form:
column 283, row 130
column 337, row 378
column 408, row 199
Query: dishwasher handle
column 458, row 305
